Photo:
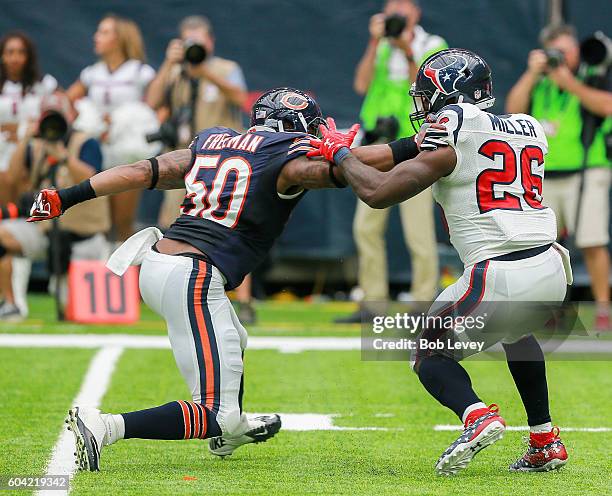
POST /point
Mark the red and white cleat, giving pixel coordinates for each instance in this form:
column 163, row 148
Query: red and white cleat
column 483, row 427
column 546, row 452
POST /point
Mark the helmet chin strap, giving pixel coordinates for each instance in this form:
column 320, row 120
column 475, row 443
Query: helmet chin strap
column 485, row 104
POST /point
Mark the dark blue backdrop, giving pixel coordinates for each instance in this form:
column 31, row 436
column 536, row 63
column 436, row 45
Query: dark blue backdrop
column 309, row 44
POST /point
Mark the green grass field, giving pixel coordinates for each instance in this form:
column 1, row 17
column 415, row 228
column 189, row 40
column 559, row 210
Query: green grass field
column 38, row 385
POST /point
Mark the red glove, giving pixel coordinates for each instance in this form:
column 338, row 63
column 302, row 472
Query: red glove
column 47, row 205
column 332, row 140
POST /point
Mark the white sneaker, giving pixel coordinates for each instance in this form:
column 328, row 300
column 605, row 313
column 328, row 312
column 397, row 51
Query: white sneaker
column 89, row 431
column 260, row 429
column 10, row 313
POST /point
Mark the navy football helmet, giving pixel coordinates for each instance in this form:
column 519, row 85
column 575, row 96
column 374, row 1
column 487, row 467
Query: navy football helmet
column 287, row 110
column 450, row 76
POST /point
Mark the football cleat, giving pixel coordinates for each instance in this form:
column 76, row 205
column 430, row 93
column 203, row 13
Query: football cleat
column 546, row 452
column 89, row 431
column 481, row 430
column 259, row 431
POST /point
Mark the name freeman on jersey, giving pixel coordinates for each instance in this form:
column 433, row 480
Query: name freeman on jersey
column 507, row 125
column 244, row 142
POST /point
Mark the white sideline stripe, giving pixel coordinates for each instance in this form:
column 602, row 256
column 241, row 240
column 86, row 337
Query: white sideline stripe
column 316, row 422
column 92, row 390
column 448, row 427
column 282, row 344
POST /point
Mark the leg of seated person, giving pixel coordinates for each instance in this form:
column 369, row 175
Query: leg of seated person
column 6, row 288
column 8, row 242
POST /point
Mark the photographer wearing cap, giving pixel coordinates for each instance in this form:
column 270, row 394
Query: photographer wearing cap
column 397, row 46
column 198, row 89
column 553, row 90
column 52, row 156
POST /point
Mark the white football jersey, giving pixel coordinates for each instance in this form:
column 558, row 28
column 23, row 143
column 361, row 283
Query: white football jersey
column 492, row 200
column 126, row 84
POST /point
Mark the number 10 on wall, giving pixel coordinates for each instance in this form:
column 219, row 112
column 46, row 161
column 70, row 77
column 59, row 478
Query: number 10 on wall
column 97, row 296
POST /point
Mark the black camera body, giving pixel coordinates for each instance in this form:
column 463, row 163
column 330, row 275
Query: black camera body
column 395, row 25
column 195, row 53
column 554, row 57
column 168, row 133
column 385, row 130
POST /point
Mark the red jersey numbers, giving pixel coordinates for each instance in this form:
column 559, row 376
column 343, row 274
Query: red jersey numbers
column 530, row 161
column 217, row 191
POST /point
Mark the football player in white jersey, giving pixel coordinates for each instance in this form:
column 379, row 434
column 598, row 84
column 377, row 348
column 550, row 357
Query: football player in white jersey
column 489, row 184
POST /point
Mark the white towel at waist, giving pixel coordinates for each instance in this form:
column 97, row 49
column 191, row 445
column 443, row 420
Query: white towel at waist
column 133, row 250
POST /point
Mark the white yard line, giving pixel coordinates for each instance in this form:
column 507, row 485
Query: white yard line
column 92, row 390
column 318, row 422
column 448, row 427
column 282, row 344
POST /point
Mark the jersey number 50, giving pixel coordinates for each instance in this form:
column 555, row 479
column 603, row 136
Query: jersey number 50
column 223, row 202
column 531, row 183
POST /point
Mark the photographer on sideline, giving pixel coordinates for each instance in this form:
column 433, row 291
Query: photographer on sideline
column 198, row 89
column 59, row 157
column 397, row 47
column 552, row 90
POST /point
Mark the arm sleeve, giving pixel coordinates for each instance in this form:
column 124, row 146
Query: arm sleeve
column 91, row 154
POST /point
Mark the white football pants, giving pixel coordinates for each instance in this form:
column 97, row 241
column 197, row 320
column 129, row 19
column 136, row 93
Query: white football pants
column 206, row 336
column 511, row 296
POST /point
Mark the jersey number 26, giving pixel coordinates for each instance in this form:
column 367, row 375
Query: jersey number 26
column 531, row 182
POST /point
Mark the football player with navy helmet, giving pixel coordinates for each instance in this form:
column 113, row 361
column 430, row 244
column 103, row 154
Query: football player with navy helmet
column 241, row 190
column 488, row 182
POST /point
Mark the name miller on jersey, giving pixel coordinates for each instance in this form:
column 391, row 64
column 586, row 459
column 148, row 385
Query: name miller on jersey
column 505, row 124
column 245, row 142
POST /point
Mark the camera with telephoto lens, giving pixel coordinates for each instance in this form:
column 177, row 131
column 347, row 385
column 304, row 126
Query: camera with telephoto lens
column 394, row 25
column 385, row 130
column 554, row 57
column 195, row 53
column 168, row 132
column 52, row 126
column 596, row 50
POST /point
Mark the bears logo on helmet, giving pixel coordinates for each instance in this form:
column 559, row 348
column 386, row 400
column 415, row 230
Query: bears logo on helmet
column 294, row 101
column 287, row 110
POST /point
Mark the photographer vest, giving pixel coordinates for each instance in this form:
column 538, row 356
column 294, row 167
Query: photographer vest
column 388, row 93
column 212, row 107
column 85, row 219
column 559, row 113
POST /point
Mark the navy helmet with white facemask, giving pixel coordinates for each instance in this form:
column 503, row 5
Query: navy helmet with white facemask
column 454, row 75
